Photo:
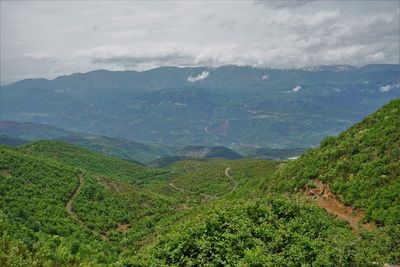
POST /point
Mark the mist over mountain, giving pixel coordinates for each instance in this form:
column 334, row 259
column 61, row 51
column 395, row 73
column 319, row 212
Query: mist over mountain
column 231, row 105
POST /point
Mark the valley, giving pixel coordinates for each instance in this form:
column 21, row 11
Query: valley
column 101, row 211
column 164, row 133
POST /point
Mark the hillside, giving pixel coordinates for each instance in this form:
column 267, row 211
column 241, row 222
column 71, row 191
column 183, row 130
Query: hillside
column 362, row 165
column 96, row 210
column 34, row 224
column 87, row 206
column 234, row 106
column 130, row 171
column 117, row 147
column 54, row 212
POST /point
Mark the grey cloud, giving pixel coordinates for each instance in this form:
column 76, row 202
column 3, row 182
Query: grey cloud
column 136, row 61
column 277, row 4
column 40, row 38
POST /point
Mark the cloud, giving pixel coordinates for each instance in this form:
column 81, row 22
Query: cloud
column 278, row 4
column 199, row 77
column 148, row 34
column 389, row 87
column 174, row 59
column 296, row 88
column 38, row 56
column 265, row 76
column 385, row 88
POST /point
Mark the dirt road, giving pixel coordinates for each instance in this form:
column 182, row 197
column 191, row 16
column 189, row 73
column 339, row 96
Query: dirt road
column 325, row 198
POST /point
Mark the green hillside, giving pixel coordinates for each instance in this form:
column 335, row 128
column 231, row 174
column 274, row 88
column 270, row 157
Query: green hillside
column 133, row 172
column 362, row 165
column 35, row 225
column 109, row 217
column 266, row 229
column 44, row 207
column 63, row 205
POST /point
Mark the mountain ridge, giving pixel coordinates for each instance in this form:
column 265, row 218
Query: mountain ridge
column 207, row 106
column 113, row 146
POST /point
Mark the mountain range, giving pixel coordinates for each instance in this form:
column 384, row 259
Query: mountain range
column 229, row 106
column 17, row 133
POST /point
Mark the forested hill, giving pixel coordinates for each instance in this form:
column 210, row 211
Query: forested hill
column 362, row 165
column 62, row 205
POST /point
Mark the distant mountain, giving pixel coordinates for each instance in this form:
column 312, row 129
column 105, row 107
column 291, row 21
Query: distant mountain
column 230, row 105
column 11, row 141
column 117, row 147
column 208, row 152
column 32, row 131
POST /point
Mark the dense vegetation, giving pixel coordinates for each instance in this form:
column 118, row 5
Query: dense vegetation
column 36, row 228
column 112, row 213
column 202, row 212
column 93, row 162
column 266, row 232
column 362, row 164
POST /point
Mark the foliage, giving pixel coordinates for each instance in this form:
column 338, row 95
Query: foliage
column 93, row 162
column 208, row 212
column 270, row 231
column 362, row 164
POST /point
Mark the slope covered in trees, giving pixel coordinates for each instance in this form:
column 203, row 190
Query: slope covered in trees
column 203, row 212
column 133, row 172
column 113, row 214
column 362, row 165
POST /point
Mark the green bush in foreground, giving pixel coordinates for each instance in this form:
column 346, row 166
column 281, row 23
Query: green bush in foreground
column 268, row 232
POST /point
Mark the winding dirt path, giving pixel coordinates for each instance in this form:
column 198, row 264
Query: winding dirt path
column 68, row 206
column 234, row 182
column 176, row 188
column 325, row 198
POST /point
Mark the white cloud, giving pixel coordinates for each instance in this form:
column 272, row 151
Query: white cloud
column 199, row 77
column 389, row 87
column 265, row 76
column 385, row 88
column 277, row 4
column 296, row 88
column 37, row 56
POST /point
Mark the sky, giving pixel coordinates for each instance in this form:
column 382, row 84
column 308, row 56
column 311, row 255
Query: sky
column 52, row 38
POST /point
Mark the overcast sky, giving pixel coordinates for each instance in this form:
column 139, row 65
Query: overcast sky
column 47, row 39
